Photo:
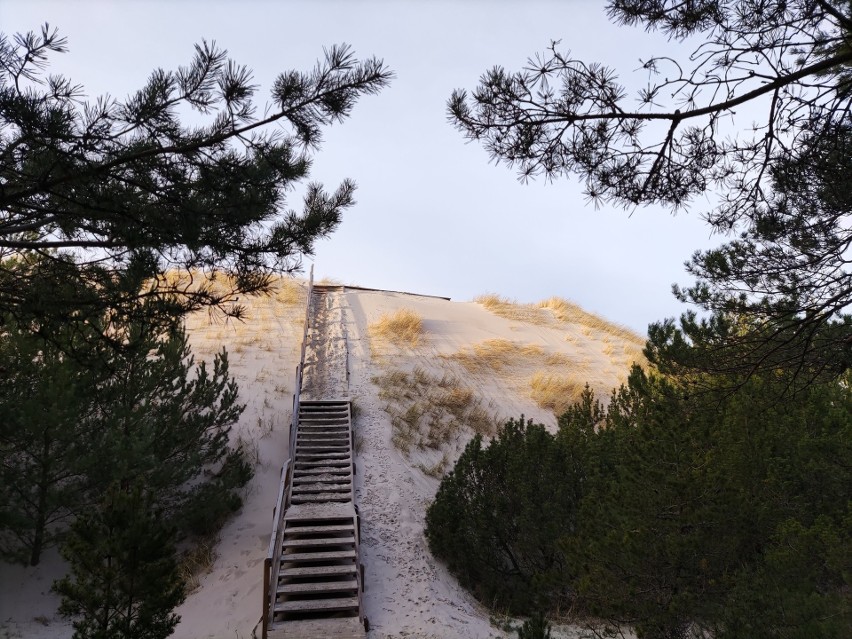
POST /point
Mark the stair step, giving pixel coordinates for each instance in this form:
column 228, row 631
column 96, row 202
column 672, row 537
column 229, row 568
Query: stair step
column 301, row 557
column 325, row 478
column 320, row 497
column 331, row 411
column 312, row 445
column 331, row 463
column 323, row 432
column 323, row 423
column 313, row 455
column 310, row 605
column 307, row 489
column 323, row 437
column 323, row 448
column 316, row 572
column 305, row 476
column 328, row 541
column 313, row 530
column 318, row 587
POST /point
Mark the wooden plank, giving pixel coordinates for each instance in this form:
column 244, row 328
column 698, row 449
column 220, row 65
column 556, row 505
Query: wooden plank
column 302, row 489
column 320, row 497
column 328, row 628
column 323, row 422
column 333, row 443
column 332, row 454
column 313, row 530
column 301, row 557
column 311, row 428
column 308, row 474
column 325, row 478
column 318, row 587
column 311, row 455
column 317, row 464
column 310, row 605
column 317, row 571
column 335, row 512
column 334, row 447
column 323, row 432
column 328, row 541
column 331, row 433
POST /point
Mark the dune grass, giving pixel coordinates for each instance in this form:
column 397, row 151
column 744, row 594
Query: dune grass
column 556, row 392
column 561, row 310
column 496, row 355
column 571, row 313
column 290, row 292
column 510, row 309
column 429, row 412
column 403, row 327
column 197, row 561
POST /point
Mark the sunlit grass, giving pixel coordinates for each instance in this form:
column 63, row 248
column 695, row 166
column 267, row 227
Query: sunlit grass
column 402, row 328
column 556, row 392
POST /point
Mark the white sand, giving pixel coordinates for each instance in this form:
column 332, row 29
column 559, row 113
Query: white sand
column 408, row 593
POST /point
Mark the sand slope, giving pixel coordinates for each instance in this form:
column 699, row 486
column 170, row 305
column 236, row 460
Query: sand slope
column 408, row 593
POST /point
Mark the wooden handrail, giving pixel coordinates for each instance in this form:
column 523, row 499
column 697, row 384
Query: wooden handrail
column 273, row 553
column 297, row 391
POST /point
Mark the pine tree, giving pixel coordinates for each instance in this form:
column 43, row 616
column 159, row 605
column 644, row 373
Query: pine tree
column 80, row 414
column 498, row 515
column 124, row 581
column 779, row 291
column 132, row 190
column 42, row 404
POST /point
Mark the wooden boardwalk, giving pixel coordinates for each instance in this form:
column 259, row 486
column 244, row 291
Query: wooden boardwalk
column 315, row 570
column 313, row 577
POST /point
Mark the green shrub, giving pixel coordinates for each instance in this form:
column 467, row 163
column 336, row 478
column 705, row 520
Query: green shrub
column 124, row 581
column 497, row 517
column 536, row 627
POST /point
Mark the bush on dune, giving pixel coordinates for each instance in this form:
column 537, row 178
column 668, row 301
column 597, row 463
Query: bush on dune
column 667, row 511
column 497, row 517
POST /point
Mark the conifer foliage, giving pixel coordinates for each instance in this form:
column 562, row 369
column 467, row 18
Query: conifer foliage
column 124, row 581
column 136, row 410
column 779, row 291
column 728, row 515
column 131, row 186
column 498, row 515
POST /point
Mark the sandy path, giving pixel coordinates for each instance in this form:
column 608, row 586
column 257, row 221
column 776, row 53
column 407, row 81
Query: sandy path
column 408, row 594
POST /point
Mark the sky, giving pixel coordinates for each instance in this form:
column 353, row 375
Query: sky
column 433, row 214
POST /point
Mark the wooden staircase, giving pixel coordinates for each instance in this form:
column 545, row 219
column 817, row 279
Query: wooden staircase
column 317, row 581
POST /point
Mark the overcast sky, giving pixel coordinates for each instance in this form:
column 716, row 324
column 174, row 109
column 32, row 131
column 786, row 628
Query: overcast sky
column 433, row 215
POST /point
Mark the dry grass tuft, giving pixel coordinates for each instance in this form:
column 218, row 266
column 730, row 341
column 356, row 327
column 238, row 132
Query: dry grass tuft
column 429, row 412
column 437, row 470
column 510, row 309
column 197, row 562
column 497, row 354
column 402, row 328
column 634, row 355
column 571, row 313
column 290, row 292
column 555, row 392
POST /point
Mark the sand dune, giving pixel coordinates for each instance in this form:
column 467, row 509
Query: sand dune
column 472, row 363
